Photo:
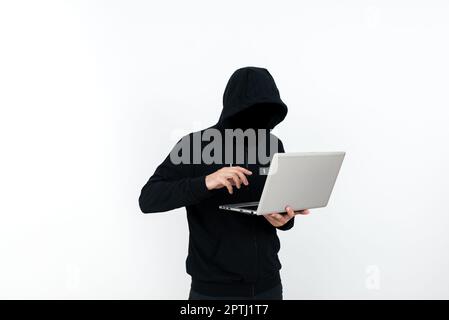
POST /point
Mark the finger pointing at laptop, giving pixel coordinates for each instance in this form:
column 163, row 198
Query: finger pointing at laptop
column 228, row 177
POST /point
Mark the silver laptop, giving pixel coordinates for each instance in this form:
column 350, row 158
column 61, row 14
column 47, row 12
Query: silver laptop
column 302, row 180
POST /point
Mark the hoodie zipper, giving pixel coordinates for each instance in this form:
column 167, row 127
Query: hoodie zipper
column 245, row 159
column 256, row 247
column 257, row 255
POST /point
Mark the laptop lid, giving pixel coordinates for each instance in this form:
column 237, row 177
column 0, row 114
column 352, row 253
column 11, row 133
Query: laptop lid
column 302, row 180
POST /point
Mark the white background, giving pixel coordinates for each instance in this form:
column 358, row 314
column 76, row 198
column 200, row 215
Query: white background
column 94, row 94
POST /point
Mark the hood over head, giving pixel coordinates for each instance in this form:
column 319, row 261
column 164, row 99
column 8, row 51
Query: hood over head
column 251, row 100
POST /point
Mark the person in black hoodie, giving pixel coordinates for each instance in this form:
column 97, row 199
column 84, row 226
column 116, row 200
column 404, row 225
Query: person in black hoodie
column 231, row 255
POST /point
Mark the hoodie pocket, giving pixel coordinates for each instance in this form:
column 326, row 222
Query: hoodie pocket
column 235, row 257
column 271, row 250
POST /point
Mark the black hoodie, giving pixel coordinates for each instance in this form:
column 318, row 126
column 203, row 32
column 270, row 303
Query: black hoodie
column 230, row 254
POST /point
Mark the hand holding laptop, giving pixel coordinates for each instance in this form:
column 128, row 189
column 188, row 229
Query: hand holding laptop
column 279, row 219
column 235, row 176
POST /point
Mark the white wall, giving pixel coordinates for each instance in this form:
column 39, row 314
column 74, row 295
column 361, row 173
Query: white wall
column 94, row 94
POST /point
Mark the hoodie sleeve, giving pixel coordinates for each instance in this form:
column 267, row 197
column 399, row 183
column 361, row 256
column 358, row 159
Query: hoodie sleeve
column 291, row 222
column 172, row 186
